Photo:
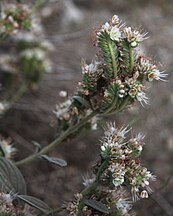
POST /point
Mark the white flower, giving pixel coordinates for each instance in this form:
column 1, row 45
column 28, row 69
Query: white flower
column 105, row 27
column 142, row 98
column 30, row 53
column 157, row 75
column 91, row 68
column 134, row 35
column 115, row 33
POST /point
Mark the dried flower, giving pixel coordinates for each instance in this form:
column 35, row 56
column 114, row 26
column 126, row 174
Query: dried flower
column 6, row 149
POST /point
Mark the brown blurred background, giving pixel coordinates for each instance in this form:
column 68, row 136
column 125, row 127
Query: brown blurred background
column 68, row 25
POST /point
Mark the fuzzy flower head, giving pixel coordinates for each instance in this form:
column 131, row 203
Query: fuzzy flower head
column 120, row 199
column 156, row 74
column 73, row 206
column 150, row 70
column 134, row 36
column 139, row 179
column 123, row 166
column 113, row 141
column 91, row 68
column 15, row 18
column 117, row 171
column 112, row 28
column 136, row 91
column 6, row 204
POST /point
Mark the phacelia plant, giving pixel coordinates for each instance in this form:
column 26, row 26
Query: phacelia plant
column 114, row 80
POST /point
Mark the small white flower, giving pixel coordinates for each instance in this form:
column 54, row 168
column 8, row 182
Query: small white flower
column 142, row 98
column 105, row 27
column 30, row 53
column 91, row 68
column 134, row 35
column 157, row 75
column 115, row 33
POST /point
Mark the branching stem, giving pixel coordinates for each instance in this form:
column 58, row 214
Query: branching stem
column 57, row 141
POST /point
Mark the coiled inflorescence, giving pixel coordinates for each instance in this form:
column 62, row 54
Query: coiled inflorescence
column 124, row 166
column 116, row 76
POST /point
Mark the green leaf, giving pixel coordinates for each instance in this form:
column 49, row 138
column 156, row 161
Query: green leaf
column 110, row 55
column 11, row 178
column 35, row 202
column 55, row 160
column 82, row 101
column 99, row 206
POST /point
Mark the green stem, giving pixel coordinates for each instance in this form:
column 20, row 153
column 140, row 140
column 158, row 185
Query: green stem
column 19, row 93
column 57, row 141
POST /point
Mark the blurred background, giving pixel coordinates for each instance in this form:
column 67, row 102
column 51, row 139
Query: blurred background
column 68, row 26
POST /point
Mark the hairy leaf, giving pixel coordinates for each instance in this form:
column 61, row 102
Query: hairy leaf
column 55, row 160
column 11, row 178
column 35, row 202
column 99, row 206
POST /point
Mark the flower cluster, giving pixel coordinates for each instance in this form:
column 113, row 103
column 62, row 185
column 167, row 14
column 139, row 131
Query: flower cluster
column 123, row 165
column 116, row 77
column 6, row 204
column 15, row 18
column 73, row 206
column 25, row 56
column 107, row 189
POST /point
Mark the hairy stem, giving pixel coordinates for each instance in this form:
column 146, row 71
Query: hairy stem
column 57, row 141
